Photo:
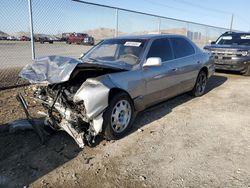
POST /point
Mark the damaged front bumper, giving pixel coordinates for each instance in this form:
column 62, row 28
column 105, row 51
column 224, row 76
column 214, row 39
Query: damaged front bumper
column 63, row 117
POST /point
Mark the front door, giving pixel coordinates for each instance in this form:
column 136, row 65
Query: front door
column 162, row 82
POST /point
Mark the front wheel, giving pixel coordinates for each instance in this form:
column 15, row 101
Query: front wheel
column 247, row 73
column 118, row 117
column 200, row 85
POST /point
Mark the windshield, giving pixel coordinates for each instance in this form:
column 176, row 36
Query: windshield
column 117, row 51
column 234, row 40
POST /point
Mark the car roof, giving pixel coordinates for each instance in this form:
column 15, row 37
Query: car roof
column 154, row 36
column 147, row 37
column 236, row 33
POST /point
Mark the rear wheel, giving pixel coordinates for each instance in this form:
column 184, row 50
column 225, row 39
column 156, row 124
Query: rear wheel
column 118, row 117
column 200, row 85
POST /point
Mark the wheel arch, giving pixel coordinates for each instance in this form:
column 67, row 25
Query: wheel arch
column 114, row 91
column 205, row 69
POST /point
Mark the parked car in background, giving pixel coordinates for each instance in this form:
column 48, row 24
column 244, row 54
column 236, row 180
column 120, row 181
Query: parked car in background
column 65, row 36
column 11, row 38
column 102, row 92
column 24, row 38
column 89, row 40
column 3, row 38
column 42, row 40
column 80, row 38
column 231, row 51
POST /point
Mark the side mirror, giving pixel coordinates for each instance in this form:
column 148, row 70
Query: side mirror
column 153, row 62
column 81, row 56
column 213, row 42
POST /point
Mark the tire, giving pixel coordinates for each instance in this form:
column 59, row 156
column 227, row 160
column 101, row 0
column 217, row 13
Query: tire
column 200, row 85
column 247, row 73
column 112, row 130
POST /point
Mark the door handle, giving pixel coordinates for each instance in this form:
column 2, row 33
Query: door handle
column 198, row 62
column 174, row 69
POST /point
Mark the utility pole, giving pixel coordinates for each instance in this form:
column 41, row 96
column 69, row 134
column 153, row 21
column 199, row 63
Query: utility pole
column 231, row 25
column 31, row 30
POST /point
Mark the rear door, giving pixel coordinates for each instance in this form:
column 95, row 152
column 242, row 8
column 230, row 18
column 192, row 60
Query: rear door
column 186, row 61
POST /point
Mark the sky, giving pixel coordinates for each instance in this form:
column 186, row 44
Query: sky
column 211, row 12
column 57, row 16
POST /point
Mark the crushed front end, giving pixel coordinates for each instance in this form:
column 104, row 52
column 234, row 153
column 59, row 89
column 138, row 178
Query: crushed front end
column 62, row 112
column 74, row 100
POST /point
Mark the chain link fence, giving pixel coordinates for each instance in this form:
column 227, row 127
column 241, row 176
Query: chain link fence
column 14, row 49
column 60, row 25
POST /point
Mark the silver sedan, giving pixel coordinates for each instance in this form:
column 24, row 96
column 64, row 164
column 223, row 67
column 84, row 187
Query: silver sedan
column 102, row 92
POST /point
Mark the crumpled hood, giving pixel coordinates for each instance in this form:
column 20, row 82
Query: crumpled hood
column 57, row 69
column 49, row 70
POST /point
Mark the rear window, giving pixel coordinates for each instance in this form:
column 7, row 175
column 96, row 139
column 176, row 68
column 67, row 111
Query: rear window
column 182, row 47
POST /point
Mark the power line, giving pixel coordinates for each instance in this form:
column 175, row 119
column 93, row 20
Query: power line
column 164, row 5
column 203, row 7
column 182, row 10
column 243, row 19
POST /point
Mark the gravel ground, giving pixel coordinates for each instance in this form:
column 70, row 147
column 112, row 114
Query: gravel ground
column 184, row 142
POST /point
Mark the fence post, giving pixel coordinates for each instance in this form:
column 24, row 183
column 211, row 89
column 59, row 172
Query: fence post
column 187, row 27
column 31, row 30
column 116, row 27
column 159, row 25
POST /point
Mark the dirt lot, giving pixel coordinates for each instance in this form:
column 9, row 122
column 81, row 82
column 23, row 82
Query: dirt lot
column 184, row 142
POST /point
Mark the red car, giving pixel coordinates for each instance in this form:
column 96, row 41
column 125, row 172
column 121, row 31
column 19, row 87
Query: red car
column 80, row 38
column 65, row 36
column 24, row 38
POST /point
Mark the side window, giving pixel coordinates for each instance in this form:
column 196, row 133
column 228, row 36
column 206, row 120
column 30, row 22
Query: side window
column 161, row 48
column 182, row 47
